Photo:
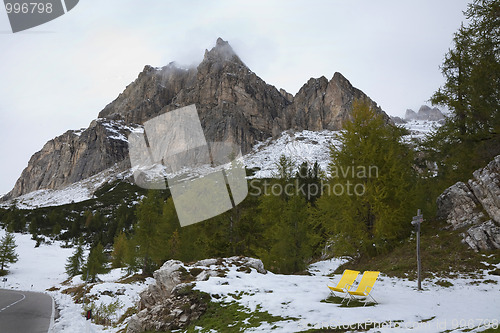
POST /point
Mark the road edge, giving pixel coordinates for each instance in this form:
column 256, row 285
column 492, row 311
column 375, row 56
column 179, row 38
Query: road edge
column 51, row 325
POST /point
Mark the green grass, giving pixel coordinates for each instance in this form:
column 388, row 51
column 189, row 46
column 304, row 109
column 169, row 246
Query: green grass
column 231, row 317
column 443, row 255
column 444, row 283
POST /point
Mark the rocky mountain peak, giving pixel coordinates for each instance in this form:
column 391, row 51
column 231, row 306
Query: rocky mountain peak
column 233, row 103
column 338, row 77
column 222, row 51
column 424, row 113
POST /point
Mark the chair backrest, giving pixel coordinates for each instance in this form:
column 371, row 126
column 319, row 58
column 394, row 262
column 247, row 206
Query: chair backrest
column 367, row 280
column 347, row 278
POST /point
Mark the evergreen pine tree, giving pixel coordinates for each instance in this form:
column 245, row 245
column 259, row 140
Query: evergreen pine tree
column 371, row 191
column 287, row 236
column 8, row 253
column 147, row 235
column 75, row 262
column 131, row 256
column 119, row 251
column 470, row 138
column 96, row 264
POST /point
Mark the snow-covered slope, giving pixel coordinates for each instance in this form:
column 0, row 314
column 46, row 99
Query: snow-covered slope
column 304, row 146
column 41, row 268
column 301, row 146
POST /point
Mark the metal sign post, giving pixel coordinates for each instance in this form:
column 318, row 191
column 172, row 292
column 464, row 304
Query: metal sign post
column 417, row 220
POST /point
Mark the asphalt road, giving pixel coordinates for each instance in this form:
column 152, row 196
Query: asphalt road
column 24, row 312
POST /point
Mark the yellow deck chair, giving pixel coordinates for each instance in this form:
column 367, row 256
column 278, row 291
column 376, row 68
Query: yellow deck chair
column 345, row 282
column 365, row 287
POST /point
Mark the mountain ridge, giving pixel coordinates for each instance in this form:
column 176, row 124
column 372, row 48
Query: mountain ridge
column 234, row 105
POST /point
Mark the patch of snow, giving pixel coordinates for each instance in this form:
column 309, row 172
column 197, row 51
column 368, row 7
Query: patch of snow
column 78, row 132
column 326, row 267
column 304, row 146
column 419, row 129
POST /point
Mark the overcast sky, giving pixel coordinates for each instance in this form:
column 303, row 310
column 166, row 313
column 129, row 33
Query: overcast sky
column 58, row 76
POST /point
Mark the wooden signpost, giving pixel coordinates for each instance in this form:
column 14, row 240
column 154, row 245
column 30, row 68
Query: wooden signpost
column 417, row 220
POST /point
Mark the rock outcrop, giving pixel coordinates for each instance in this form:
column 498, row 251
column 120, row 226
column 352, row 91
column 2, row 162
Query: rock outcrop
column 74, row 156
column 233, row 103
column 172, row 303
column 475, row 206
column 424, row 113
column 398, row 120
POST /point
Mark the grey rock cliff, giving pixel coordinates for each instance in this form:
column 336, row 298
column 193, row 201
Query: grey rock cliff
column 424, row 113
column 476, row 207
column 233, row 103
column 74, row 156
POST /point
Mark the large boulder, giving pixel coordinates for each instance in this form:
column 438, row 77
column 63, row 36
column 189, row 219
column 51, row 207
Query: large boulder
column 171, row 303
column 476, row 207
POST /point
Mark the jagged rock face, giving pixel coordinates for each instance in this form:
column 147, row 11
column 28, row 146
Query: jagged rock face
column 410, row 114
column 171, row 303
column 475, row 205
column 233, row 103
column 74, row 156
column 424, row 113
column 322, row 104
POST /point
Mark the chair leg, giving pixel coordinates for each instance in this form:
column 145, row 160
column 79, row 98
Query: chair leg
column 373, row 298
column 351, row 297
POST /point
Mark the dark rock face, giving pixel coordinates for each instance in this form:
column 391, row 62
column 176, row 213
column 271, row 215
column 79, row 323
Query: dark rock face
column 322, row 104
column 233, row 103
column 424, row 113
column 476, row 206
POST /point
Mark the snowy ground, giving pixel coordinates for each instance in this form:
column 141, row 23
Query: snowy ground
column 420, row 128
column 39, row 269
column 435, row 309
column 464, row 305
